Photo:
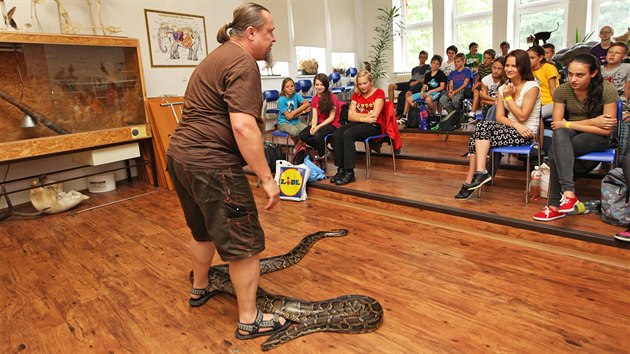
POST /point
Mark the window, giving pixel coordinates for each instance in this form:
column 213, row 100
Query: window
column 416, row 41
column 473, row 23
column 465, row 7
column 612, row 13
column 343, row 60
column 533, row 16
column 280, row 68
column 417, row 35
column 305, row 53
column 474, row 31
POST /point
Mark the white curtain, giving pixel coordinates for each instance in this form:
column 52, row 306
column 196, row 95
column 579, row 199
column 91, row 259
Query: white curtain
column 342, row 25
column 308, row 23
column 280, row 14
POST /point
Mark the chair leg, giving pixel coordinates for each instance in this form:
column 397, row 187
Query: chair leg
column 492, row 167
column 393, row 155
column 527, row 174
column 289, row 154
column 367, row 160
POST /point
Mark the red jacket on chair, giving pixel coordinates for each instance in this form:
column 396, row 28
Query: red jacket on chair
column 387, row 121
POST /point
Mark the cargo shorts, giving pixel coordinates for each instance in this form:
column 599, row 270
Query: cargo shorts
column 219, row 207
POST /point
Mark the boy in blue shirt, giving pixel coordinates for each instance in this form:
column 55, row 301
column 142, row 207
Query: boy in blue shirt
column 459, row 84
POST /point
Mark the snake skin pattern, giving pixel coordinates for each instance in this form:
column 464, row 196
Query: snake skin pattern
column 344, row 314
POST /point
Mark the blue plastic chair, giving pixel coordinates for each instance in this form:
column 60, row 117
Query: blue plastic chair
column 334, row 78
column 279, row 134
column 270, row 108
column 305, row 88
column 521, row 150
column 608, row 155
column 388, row 109
column 351, row 72
column 270, row 103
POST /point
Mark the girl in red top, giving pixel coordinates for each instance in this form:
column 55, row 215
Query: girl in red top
column 365, row 108
column 325, row 116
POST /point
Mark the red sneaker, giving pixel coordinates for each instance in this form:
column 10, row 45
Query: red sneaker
column 567, row 204
column 623, row 236
column 548, row 214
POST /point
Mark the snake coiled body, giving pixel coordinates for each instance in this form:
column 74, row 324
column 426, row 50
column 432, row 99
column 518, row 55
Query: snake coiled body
column 344, row 314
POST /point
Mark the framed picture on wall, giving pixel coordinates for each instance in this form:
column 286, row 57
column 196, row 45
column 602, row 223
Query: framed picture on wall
column 175, row 39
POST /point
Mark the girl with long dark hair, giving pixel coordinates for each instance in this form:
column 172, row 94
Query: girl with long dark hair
column 325, row 116
column 517, row 119
column 584, row 114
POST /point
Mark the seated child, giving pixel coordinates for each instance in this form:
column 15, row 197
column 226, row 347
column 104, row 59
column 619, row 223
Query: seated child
column 434, row 85
column 417, row 73
column 474, row 58
column 484, row 70
column 518, row 115
column 490, row 86
column 616, row 72
column 449, row 64
column 459, row 83
column 584, row 115
column 550, row 51
column 547, row 77
column 291, row 105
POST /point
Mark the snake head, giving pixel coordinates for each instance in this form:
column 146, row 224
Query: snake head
column 336, row 233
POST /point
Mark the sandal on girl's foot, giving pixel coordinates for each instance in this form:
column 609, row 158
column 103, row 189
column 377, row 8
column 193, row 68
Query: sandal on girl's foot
column 204, row 296
column 254, row 329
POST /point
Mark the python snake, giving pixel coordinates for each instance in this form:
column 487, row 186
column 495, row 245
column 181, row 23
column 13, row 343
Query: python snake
column 344, row 314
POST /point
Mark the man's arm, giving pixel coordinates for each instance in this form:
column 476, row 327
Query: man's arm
column 250, row 144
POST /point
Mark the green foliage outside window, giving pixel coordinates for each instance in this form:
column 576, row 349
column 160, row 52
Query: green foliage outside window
column 419, row 11
column 615, row 14
column 416, row 41
column 465, row 7
column 474, row 31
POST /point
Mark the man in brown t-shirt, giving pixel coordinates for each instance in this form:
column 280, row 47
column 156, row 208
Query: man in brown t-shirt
column 219, row 133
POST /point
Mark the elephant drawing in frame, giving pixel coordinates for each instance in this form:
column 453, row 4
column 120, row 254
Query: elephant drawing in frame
column 171, row 39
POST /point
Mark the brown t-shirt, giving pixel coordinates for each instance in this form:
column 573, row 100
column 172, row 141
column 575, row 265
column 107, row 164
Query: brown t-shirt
column 227, row 80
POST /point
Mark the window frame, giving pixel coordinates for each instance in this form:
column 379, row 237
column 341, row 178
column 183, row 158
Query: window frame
column 540, row 7
column 400, row 47
column 464, row 18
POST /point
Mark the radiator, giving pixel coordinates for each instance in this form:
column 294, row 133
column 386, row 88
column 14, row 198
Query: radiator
column 401, row 77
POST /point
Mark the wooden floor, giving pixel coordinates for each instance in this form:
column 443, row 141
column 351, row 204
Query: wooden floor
column 430, row 172
column 114, row 279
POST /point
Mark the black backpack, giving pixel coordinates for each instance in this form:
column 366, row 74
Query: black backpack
column 413, row 117
column 273, row 152
column 451, row 121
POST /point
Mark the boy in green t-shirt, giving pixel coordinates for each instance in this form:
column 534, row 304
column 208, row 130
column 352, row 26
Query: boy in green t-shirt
column 474, row 58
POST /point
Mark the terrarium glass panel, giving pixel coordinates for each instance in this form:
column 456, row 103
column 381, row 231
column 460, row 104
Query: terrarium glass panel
column 78, row 88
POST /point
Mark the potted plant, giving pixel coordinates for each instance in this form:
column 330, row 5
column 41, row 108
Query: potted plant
column 383, row 40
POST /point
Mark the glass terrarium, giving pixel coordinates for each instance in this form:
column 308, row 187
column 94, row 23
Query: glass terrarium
column 69, row 84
